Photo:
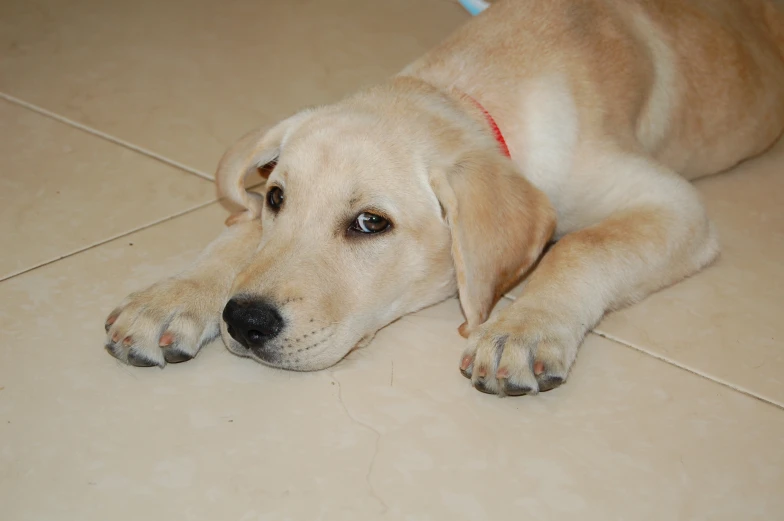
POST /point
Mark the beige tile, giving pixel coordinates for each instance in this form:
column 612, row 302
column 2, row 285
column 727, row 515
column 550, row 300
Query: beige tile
column 62, row 189
column 187, row 78
column 393, row 432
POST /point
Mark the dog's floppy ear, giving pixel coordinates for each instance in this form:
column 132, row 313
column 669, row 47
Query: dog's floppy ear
column 499, row 222
column 252, row 153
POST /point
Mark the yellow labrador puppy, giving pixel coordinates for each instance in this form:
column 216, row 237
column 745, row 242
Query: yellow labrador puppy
column 576, row 121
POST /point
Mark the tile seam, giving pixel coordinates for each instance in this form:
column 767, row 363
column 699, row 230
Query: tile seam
column 103, row 135
column 109, row 239
column 735, row 387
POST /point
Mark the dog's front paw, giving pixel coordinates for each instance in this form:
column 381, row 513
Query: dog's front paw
column 525, row 350
column 167, row 322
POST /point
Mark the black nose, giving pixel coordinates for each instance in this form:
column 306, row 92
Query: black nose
column 252, row 322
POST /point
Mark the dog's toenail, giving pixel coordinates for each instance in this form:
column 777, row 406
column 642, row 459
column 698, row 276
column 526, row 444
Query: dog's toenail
column 538, row 367
column 481, row 372
column 549, row 383
column 115, row 337
column 127, row 340
column 481, row 386
column 138, row 360
column 166, row 340
column 502, row 373
column 511, row 389
column 174, row 356
column 466, row 362
column 114, row 350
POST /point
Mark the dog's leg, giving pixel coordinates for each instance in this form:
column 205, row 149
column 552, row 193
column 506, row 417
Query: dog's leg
column 172, row 319
column 654, row 233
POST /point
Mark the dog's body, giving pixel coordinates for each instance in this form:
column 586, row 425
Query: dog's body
column 399, row 196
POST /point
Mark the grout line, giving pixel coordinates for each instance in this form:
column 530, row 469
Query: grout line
column 679, row 365
column 696, row 372
column 105, row 136
column 110, row 239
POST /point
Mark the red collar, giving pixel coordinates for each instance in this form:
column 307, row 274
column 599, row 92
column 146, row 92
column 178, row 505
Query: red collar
column 497, row 134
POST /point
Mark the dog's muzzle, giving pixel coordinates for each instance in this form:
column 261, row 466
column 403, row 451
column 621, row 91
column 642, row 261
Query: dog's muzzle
column 253, row 323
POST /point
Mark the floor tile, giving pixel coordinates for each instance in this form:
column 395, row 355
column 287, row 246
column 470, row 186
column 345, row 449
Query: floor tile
column 185, row 79
column 392, row 432
column 63, row 189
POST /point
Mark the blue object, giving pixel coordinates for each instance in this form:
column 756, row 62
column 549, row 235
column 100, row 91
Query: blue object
column 474, row 6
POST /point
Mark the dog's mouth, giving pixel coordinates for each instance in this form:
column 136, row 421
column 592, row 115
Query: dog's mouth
column 311, row 350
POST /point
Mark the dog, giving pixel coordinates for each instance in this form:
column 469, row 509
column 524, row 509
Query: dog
column 545, row 140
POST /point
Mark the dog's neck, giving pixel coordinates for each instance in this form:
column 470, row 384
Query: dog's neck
column 499, row 136
column 459, row 104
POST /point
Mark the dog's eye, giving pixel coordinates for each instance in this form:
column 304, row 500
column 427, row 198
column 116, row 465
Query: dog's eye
column 367, row 222
column 275, row 198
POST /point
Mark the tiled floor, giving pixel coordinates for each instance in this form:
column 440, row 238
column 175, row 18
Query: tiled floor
column 114, row 113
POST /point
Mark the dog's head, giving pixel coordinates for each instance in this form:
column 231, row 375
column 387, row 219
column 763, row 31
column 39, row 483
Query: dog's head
column 375, row 207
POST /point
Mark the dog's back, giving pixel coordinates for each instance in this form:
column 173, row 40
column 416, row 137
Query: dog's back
column 697, row 84
column 727, row 86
